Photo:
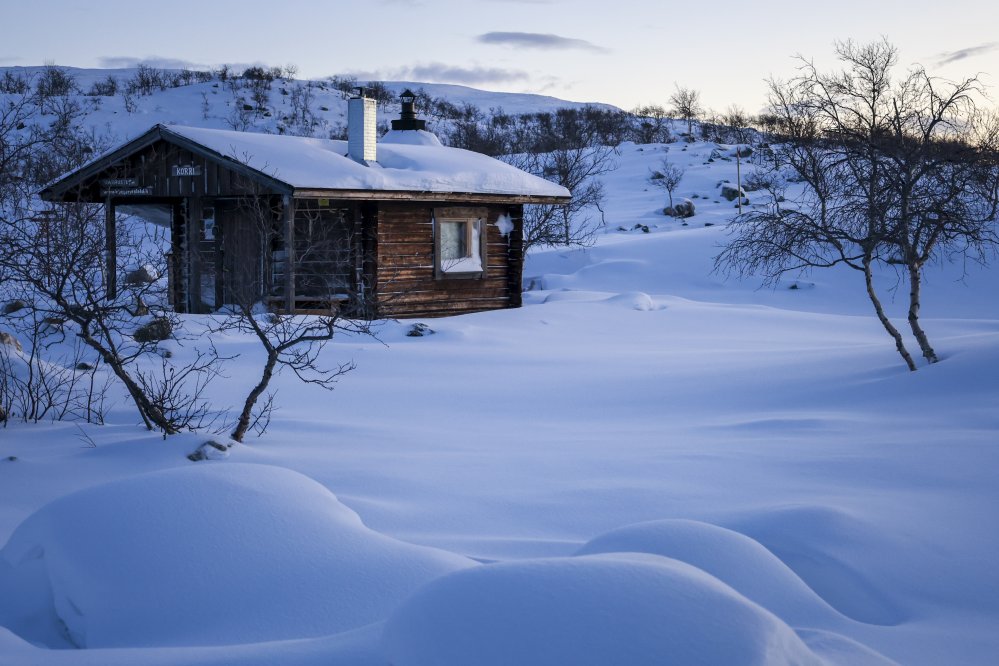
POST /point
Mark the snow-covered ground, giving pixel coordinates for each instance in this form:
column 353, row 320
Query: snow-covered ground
column 647, row 463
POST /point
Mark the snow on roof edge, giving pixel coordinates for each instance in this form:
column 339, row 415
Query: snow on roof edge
column 307, row 163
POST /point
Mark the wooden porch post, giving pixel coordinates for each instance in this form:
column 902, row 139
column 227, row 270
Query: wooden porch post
column 288, row 212
column 178, row 258
column 515, row 276
column 194, row 255
column 110, row 251
column 369, row 249
column 220, row 258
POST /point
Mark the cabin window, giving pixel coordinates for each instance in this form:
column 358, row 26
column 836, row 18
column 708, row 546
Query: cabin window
column 459, row 246
column 208, row 224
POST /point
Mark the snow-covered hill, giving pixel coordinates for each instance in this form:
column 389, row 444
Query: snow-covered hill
column 289, row 105
column 647, row 463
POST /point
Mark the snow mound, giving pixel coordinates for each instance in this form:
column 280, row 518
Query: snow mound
column 411, row 138
column 635, row 300
column 733, row 558
column 838, row 649
column 208, row 555
column 574, row 296
column 830, row 550
column 604, row 609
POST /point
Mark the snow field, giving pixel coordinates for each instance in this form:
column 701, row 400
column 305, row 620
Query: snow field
column 647, row 463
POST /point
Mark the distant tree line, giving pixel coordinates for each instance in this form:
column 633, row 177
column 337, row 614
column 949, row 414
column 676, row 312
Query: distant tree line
column 491, row 131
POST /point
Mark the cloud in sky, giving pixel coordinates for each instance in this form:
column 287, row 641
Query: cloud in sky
column 441, row 73
column 537, row 40
column 948, row 57
column 454, row 74
column 117, row 62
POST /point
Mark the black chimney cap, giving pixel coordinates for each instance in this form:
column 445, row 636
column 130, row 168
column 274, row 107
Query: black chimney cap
column 407, row 118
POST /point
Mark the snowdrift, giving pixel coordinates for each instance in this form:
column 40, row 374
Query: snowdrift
column 735, row 559
column 594, row 610
column 205, row 555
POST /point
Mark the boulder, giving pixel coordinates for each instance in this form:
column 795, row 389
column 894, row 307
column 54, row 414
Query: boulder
column 210, row 450
column 157, row 329
column 52, row 325
column 419, row 330
column 681, row 209
column 8, row 339
column 141, row 275
column 732, row 192
column 13, row 306
column 140, row 309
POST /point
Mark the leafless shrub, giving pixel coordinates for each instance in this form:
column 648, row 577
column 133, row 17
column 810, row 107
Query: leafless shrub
column 177, row 391
column 105, row 88
column 651, row 124
column 45, row 380
column 667, row 177
column 55, row 82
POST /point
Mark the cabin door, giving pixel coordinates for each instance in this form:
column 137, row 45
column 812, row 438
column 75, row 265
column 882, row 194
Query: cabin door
column 242, row 255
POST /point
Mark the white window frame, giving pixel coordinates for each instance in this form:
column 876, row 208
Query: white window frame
column 473, row 264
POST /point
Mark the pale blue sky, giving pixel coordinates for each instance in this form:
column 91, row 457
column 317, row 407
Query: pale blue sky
column 624, row 52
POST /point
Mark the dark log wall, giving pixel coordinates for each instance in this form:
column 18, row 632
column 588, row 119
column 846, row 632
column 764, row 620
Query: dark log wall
column 406, row 286
column 151, row 167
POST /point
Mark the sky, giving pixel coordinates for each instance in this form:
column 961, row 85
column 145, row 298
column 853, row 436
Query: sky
column 621, row 52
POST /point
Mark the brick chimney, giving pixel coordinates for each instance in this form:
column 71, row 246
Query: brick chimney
column 361, row 128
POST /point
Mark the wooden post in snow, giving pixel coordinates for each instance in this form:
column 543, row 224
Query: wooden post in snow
column 738, row 174
column 110, row 251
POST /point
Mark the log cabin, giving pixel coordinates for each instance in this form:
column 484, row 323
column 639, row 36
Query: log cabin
column 396, row 226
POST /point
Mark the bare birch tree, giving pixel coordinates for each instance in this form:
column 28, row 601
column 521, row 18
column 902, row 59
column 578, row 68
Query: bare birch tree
column 891, row 173
column 685, row 104
column 294, row 342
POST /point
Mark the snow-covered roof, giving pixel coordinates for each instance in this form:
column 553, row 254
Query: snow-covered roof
column 408, row 161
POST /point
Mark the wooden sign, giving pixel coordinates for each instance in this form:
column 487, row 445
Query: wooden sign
column 119, row 182
column 186, row 170
column 127, row 192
